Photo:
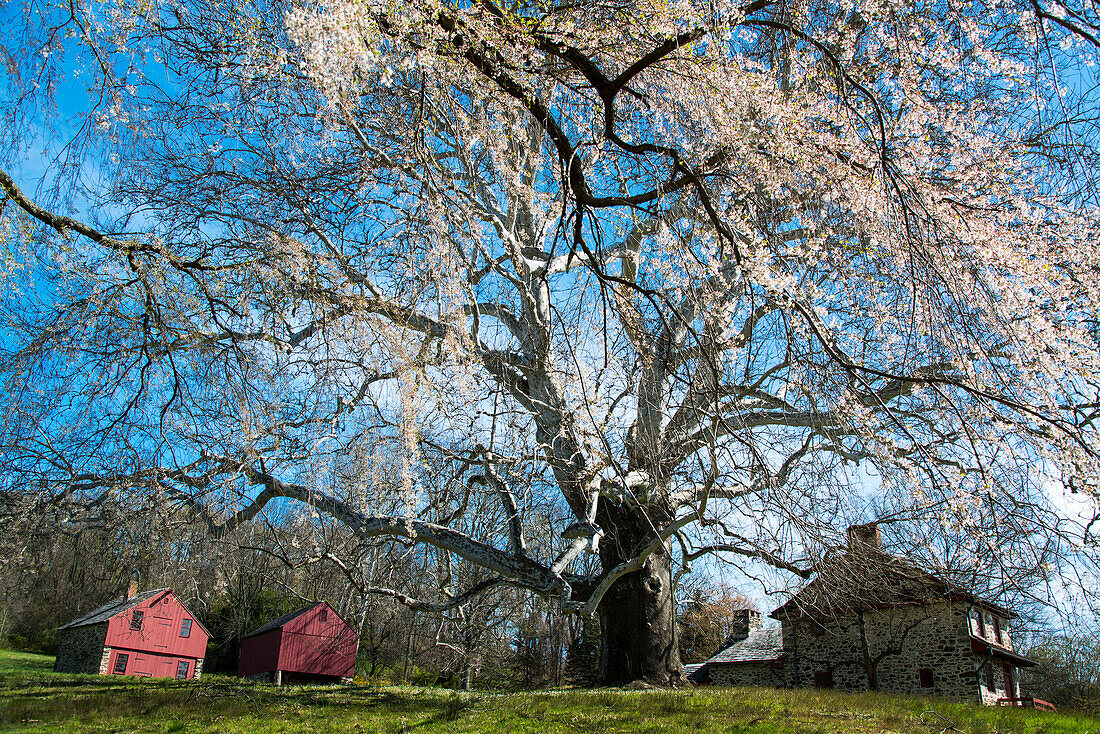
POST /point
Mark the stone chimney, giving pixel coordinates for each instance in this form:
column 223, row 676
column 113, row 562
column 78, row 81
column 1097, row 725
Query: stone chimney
column 132, row 589
column 745, row 621
column 862, row 538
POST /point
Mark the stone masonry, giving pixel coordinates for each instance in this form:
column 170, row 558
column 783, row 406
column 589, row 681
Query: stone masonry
column 891, row 645
column 897, row 630
column 750, row 656
column 80, row 649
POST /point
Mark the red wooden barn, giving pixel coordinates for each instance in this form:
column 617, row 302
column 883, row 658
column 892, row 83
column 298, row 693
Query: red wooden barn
column 312, row 644
column 149, row 634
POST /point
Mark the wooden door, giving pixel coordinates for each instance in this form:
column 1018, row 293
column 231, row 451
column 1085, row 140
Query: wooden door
column 1010, row 682
column 161, row 633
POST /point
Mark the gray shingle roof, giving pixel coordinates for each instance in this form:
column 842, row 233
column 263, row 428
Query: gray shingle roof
column 763, row 644
column 280, row 621
column 111, row 608
column 874, row 579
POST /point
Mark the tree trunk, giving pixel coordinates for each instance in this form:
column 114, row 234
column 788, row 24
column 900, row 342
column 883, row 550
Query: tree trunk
column 638, row 614
column 870, row 665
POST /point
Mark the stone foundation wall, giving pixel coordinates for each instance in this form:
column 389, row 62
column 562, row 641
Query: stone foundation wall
column 198, row 668
column 80, row 649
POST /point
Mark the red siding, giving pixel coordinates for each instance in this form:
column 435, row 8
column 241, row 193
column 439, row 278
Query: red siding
column 318, row 642
column 159, row 634
column 259, row 654
column 307, row 644
column 319, row 655
column 150, row 664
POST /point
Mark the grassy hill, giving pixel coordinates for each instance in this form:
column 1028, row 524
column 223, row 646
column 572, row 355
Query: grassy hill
column 34, row 700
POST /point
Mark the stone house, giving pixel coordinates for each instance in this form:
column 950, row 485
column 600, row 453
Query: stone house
column 150, row 633
column 873, row 621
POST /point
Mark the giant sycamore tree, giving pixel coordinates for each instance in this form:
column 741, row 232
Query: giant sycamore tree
column 663, row 279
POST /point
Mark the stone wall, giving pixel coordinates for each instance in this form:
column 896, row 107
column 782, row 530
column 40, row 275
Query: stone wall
column 81, row 649
column 748, row 674
column 897, row 643
column 930, row 637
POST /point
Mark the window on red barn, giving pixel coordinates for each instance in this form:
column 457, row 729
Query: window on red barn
column 823, row 679
column 323, row 616
column 181, row 669
column 120, row 663
column 137, row 619
column 185, row 628
column 927, row 679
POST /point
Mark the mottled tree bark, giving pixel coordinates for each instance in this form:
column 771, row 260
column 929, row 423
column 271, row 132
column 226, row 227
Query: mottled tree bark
column 638, row 614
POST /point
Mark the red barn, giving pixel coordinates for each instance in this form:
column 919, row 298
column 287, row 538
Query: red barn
column 312, row 644
column 148, row 634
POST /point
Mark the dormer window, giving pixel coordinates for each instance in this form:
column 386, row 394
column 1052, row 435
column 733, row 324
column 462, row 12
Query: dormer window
column 997, row 630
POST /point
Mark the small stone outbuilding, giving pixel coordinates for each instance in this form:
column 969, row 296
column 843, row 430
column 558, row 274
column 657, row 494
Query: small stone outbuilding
column 751, row 656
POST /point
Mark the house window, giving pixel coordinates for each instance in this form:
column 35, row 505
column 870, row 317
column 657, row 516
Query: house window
column 120, row 663
column 979, row 623
column 990, row 680
column 823, row 679
column 185, row 628
column 323, row 616
column 137, row 619
column 181, row 669
column 997, row 630
column 927, row 679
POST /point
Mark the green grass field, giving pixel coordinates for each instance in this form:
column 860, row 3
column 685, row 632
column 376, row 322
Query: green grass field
column 35, row 700
column 24, row 664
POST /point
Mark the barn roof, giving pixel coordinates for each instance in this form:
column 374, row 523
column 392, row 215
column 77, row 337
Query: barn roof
column 764, row 644
column 111, row 608
column 280, row 621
